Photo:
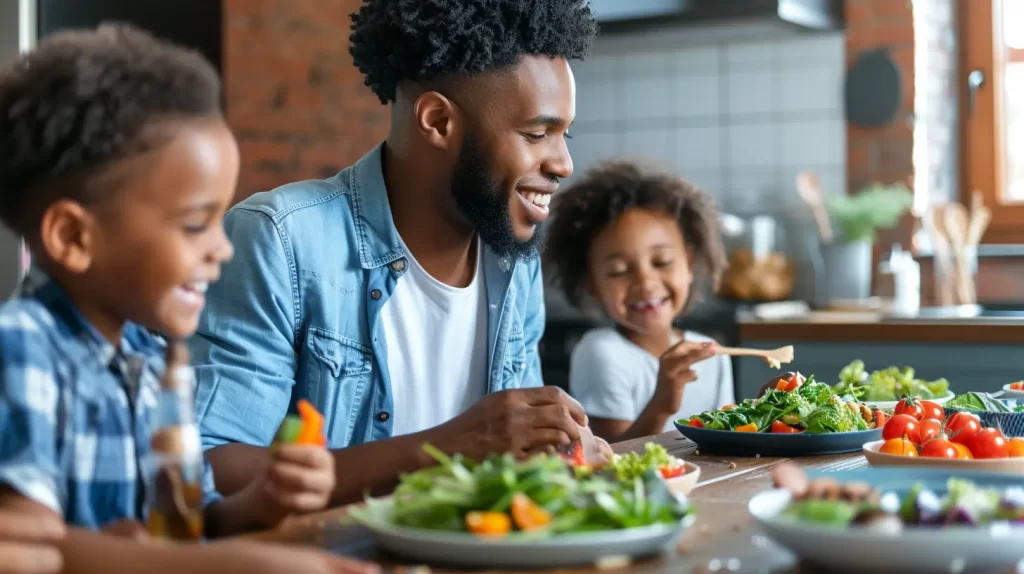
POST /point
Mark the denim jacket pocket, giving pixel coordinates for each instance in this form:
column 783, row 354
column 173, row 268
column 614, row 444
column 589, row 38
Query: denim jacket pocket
column 337, row 374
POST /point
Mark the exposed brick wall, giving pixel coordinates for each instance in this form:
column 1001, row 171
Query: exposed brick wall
column 884, row 153
column 294, row 100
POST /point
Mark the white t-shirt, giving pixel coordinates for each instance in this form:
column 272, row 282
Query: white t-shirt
column 436, row 338
column 614, row 378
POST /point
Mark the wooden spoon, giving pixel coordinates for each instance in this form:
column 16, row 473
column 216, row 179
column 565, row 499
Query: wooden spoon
column 943, row 256
column 809, row 187
column 957, row 222
column 981, row 216
column 774, row 357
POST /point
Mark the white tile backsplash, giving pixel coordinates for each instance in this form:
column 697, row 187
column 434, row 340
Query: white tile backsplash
column 648, row 97
column 753, row 145
column 697, row 96
column 751, row 92
column 737, row 117
column 698, row 148
column 598, row 101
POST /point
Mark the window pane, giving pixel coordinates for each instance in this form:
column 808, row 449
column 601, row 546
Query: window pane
column 1012, row 52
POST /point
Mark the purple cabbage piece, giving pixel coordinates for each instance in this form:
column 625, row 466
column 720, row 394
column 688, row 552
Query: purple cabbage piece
column 960, row 515
column 1011, row 505
column 928, row 508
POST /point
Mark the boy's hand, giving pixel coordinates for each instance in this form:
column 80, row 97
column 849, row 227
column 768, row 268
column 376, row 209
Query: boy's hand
column 27, row 543
column 127, row 529
column 256, row 558
column 299, row 480
column 675, row 371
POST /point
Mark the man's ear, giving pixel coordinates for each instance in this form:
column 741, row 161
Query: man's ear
column 67, row 235
column 438, row 120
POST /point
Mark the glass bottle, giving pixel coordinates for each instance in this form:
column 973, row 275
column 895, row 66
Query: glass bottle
column 174, row 491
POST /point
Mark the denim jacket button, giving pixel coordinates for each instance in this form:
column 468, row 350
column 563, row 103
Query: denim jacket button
column 398, row 266
column 375, row 294
column 383, row 416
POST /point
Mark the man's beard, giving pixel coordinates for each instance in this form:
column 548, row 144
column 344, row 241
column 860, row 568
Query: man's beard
column 481, row 201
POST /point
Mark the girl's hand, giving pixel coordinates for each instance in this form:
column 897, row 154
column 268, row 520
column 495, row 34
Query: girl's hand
column 675, row 371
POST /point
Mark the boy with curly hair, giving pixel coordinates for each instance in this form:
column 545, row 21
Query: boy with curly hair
column 636, row 239
column 116, row 166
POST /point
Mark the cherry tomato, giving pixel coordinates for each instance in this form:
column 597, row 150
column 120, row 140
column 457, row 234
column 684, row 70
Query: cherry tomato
column 672, row 471
column 1015, row 448
column 903, row 426
column 783, row 428
column 962, row 426
column 932, row 410
column 962, row 452
column 929, row 429
column 751, row 427
column 695, row 422
column 988, row 443
column 1018, row 386
column 880, row 418
column 910, row 406
column 939, row 448
column 899, row 447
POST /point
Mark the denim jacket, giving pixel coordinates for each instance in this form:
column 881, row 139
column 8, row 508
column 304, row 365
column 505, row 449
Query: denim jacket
column 296, row 313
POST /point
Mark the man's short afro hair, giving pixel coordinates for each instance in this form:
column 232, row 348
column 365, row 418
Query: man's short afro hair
column 424, row 40
column 80, row 102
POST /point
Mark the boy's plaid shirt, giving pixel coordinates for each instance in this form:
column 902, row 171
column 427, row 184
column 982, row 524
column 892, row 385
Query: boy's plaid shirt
column 75, row 411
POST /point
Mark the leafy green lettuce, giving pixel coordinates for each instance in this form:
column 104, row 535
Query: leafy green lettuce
column 891, row 384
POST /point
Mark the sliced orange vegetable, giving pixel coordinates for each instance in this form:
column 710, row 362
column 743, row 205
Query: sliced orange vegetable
column 527, row 515
column 489, row 524
column 728, row 407
column 312, row 425
column 695, row 422
column 780, row 427
column 747, row 428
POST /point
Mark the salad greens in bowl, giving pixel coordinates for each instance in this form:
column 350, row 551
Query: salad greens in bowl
column 888, row 385
column 541, row 511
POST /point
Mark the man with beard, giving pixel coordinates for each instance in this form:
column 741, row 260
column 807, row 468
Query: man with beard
column 403, row 296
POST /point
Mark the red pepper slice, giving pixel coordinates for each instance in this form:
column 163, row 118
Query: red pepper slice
column 672, row 471
column 695, row 422
column 782, row 428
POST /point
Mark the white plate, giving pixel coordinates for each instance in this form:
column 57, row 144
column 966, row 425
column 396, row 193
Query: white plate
column 884, row 405
column 914, row 550
column 1009, row 393
column 1013, row 466
column 459, row 549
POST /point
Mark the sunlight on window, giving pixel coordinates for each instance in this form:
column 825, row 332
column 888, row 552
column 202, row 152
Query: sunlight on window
column 1013, row 100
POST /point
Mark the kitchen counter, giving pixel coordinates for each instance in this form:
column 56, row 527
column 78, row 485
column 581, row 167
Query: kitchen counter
column 868, row 327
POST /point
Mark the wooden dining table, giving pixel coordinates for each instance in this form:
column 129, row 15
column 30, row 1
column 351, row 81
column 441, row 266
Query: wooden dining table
column 724, row 537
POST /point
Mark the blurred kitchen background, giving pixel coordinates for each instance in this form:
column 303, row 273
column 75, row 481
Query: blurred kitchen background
column 867, row 155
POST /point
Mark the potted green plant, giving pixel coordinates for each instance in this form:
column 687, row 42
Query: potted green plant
column 857, row 219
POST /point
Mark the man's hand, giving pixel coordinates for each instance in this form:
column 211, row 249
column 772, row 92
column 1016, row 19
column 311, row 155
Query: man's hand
column 675, row 371
column 28, row 543
column 517, row 421
column 299, row 480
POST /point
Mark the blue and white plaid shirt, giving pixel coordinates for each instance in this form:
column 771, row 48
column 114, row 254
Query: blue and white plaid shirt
column 75, row 411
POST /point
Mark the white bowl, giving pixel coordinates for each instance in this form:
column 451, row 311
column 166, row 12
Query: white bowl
column 684, row 483
column 955, row 549
column 1009, row 393
column 886, row 405
column 1014, row 466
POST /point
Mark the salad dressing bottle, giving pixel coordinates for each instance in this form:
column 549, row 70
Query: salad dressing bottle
column 174, row 491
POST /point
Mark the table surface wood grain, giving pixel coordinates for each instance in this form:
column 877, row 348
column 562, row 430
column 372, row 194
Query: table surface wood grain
column 723, row 539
